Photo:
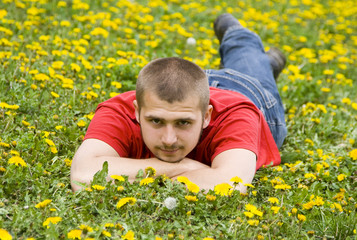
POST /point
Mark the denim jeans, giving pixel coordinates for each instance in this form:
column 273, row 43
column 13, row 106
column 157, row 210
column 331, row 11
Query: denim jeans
column 247, row 70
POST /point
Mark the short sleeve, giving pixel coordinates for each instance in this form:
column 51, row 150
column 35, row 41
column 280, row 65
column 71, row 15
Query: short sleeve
column 112, row 128
column 240, row 129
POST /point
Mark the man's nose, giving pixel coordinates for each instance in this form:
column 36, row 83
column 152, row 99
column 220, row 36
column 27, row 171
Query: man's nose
column 169, row 135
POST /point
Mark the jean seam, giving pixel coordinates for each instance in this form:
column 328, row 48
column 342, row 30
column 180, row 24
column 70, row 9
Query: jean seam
column 270, row 102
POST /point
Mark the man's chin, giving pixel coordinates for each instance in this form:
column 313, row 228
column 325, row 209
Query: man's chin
column 170, row 160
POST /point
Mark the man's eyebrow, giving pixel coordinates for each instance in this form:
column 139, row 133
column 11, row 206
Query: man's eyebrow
column 179, row 119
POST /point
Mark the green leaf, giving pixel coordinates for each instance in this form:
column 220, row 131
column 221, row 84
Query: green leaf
column 100, row 177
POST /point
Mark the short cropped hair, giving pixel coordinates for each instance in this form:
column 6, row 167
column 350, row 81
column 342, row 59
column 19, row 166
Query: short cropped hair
column 173, row 79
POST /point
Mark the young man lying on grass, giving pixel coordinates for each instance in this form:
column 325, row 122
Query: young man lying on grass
column 208, row 125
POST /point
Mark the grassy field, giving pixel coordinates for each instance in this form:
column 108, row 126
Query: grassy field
column 59, row 59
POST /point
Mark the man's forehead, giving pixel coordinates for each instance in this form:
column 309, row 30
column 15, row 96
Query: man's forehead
column 151, row 99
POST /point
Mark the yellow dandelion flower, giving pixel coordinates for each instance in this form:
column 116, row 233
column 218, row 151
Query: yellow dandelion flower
column 150, row 171
column 81, row 123
column 75, row 67
column 301, row 218
column 146, row 181
column 98, row 187
column 191, row 198
column 129, row 235
column 123, row 201
column 17, row 161
column 223, row 189
column 273, row 200
column 49, row 142
column 43, row 203
column 120, row 188
column 86, row 228
column 253, row 222
column 248, row 214
column 55, row 94
column 236, row 180
column 117, row 177
column 353, row 154
column 192, row 187
column 210, row 197
column 275, row 209
column 74, row 234
column 341, row 177
column 183, row 179
column 106, row 233
column 249, row 185
column 5, row 235
column 53, row 220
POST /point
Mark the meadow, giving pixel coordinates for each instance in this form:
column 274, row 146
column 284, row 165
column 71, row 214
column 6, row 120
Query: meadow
column 60, row 59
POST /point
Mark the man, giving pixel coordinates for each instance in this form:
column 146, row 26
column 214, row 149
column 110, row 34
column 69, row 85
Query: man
column 183, row 124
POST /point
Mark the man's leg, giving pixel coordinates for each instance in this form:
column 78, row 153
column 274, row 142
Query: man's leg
column 242, row 51
column 247, row 51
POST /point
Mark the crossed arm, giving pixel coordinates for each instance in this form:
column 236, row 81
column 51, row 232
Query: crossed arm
column 91, row 155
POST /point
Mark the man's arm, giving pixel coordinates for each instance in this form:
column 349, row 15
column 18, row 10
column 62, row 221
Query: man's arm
column 92, row 153
column 228, row 164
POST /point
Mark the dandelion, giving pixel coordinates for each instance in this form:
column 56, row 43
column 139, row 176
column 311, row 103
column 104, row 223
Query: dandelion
column 301, row 218
column 248, row 214
column 4, row 235
column 98, row 187
column 85, row 228
column 253, row 222
column 74, row 234
column 223, row 189
column 275, row 209
column 183, row 179
column 43, row 203
column 210, row 197
column 249, row 185
column 53, row 220
column 123, row 201
column 17, row 161
column 129, row 235
column 146, row 181
column 120, row 188
column 193, row 187
column 106, row 233
column 273, row 200
column 341, row 177
column 170, row 203
column 55, row 94
column 75, row 67
column 81, row 123
column 191, row 198
column 117, row 177
column 150, row 171
column 236, row 180
column 353, row 154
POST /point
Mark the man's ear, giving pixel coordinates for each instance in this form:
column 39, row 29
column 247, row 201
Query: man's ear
column 207, row 116
column 137, row 114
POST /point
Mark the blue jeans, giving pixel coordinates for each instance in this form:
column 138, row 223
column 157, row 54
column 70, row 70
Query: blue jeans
column 247, row 70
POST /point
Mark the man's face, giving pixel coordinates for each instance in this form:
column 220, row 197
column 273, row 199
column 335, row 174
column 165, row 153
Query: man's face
column 171, row 130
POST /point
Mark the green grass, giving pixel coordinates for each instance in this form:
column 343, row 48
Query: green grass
column 43, row 118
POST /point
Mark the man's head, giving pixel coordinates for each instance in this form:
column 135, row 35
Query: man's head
column 172, row 106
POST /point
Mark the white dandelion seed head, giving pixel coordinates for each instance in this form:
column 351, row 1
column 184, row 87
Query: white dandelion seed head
column 191, row 41
column 170, row 203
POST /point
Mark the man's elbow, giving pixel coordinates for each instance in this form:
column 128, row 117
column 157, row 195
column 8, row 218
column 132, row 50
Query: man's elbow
column 78, row 178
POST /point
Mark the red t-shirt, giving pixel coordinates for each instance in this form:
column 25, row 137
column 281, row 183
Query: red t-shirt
column 235, row 123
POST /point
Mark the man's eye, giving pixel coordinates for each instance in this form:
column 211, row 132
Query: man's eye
column 155, row 121
column 183, row 123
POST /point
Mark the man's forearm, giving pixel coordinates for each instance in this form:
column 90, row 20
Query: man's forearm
column 128, row 167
